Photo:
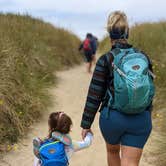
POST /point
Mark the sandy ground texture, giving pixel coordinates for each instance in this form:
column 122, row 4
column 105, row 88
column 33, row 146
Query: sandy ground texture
column 69, row 96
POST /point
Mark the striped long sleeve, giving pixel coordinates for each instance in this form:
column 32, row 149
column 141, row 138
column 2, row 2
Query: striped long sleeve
column 96, row 92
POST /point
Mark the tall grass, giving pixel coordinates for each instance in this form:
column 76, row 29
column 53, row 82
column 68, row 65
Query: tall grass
column 30, row 52
column 151, row 38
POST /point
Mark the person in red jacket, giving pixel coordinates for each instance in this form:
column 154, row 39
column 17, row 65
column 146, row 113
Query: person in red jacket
column 86, row 46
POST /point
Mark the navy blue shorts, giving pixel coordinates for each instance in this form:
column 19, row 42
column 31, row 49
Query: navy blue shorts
column 88, row 55
column 124, row 129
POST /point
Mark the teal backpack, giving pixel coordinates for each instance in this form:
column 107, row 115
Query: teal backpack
column 132, row 80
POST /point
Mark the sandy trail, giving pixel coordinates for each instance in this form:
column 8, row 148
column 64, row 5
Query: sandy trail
column 69, row 96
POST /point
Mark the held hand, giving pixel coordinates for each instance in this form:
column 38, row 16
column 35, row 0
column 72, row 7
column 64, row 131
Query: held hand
column 85, row 131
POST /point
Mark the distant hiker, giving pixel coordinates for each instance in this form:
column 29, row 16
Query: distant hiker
column 122, row 84
column 58, row 147
column 88, row 52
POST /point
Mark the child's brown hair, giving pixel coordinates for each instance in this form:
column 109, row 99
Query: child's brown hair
column 59, row 121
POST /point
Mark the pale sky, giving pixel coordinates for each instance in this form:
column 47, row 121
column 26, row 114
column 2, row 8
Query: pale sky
column 82, row 16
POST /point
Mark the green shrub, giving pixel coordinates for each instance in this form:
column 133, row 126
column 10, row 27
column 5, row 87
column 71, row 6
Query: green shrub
column 30, row 53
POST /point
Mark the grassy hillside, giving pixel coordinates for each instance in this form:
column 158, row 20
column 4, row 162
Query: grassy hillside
column 151, row 38
column 30, row 52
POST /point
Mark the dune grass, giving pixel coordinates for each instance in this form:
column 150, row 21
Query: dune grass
column 151, row 38
column 30, row 53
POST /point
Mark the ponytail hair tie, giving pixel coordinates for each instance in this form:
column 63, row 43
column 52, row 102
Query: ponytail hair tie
column 61, row 114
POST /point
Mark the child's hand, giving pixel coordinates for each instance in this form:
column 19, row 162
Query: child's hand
column 85, row 131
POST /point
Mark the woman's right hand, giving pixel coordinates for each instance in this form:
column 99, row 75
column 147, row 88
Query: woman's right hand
column 85, row 131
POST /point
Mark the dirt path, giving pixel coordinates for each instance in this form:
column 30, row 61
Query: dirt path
column 69, row 96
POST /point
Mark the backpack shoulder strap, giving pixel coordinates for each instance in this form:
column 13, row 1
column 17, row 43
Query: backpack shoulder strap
column 110, row 58
column 109, row 62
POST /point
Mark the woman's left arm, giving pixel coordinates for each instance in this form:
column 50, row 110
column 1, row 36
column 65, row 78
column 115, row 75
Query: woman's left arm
column 96, row 93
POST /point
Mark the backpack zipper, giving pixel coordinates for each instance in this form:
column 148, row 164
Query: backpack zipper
column 48, row 145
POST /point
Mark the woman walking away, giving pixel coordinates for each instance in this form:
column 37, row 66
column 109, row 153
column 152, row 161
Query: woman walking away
column 122, row 84
column 58, row 147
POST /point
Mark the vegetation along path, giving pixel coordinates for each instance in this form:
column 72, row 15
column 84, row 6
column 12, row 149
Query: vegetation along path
column 69, row 96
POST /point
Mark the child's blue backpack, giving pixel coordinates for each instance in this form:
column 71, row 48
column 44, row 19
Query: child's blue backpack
column 132, row 80
column 52, row 153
